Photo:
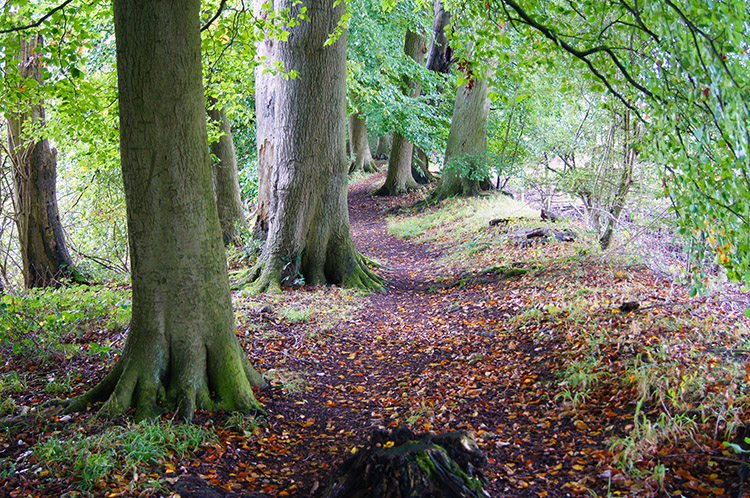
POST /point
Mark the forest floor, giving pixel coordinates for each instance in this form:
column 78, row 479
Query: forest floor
column 525, row 347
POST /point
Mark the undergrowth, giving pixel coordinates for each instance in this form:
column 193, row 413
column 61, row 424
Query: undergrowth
column 41, row 323
column 134, row 456
column 676, row 367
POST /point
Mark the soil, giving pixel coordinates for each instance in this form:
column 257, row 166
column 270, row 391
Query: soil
column 437, row 358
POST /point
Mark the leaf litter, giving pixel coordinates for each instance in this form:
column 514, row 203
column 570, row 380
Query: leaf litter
column 566, row 393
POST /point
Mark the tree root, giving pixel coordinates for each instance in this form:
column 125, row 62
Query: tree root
column 394, row 189
column 135, row 384
column 266, row 277
column 364, row 278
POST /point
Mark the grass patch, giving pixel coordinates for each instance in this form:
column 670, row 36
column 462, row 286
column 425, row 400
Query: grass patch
column 294, row 314
column 460, row 228
column 458, row 217
column 316, row 311
column 679, row 370
column 131, row 456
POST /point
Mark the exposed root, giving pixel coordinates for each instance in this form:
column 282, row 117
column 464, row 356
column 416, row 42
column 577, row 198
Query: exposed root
column 133, row 384
column 266, row 277
column 393, row 189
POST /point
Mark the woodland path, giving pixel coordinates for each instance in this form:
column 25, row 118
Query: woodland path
column 485, row 356
column 431, row 358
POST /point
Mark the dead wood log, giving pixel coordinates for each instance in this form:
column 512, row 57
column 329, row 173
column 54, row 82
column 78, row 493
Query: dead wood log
column 400, row 463
column 548, row 215
column 525, row 237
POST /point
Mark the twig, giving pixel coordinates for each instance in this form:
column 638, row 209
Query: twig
column 39, row 21
column 215, row 16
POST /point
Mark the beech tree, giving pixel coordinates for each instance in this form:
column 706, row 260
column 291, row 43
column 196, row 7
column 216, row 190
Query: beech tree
column 226, row 177
column 265, row 109
column 399, row 178
column 44, row 253
column 182, row 352
column 308, row 230
column 464, row 170
column 363, row 160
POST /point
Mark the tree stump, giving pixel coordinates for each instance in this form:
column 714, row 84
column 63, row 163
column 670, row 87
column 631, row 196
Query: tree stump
column 400, row 464
column 190, row 486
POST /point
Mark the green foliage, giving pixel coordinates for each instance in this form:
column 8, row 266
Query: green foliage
column 38, row 323
column 378, row 72
column 93, row 459
column 474, row 167
column 681, row 69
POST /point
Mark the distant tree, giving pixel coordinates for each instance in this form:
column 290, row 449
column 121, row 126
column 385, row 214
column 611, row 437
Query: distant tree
column 363, row 160
column 394, row 93
column 226, row 177
column 440, row 55
column 465, row 170
column 308, row 232
column 45, row 256
column 399, row 178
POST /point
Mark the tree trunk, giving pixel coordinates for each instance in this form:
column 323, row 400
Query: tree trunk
column 467, row 141
column 363, row 160
column 623, row 187
column 440, row 54
column 309, row 234
column 45, row 256
column 265, row 111
column 383, row 149
column 226, row 179
column 399, row 178
column 420, row 168
column 182, row 350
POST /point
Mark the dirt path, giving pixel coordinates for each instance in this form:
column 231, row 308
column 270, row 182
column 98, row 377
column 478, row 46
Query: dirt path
column 431, row 359
column 485, row 356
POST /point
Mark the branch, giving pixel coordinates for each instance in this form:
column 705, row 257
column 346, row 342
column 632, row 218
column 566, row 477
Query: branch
column 38, row 22
column 216, row 16
column 583, row 56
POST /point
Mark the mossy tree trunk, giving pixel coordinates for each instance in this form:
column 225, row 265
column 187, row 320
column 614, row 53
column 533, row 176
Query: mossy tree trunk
column 226, row 179
column 44, row 253
column 399, row 178
column 467, row 142
column 363, row 160
column 309, row 234
column 182, row 351
column 265, row 111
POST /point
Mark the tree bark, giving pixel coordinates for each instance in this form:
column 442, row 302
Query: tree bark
column 399, row 178
column 629, row 155
column 467, row 140
column 309, row 234
column 226, row 179
column 265, row 112
column 182, row 352
column 383, row 149
column 440, row 53
column 420, row 168
column 45, row 256
column 363, row 160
